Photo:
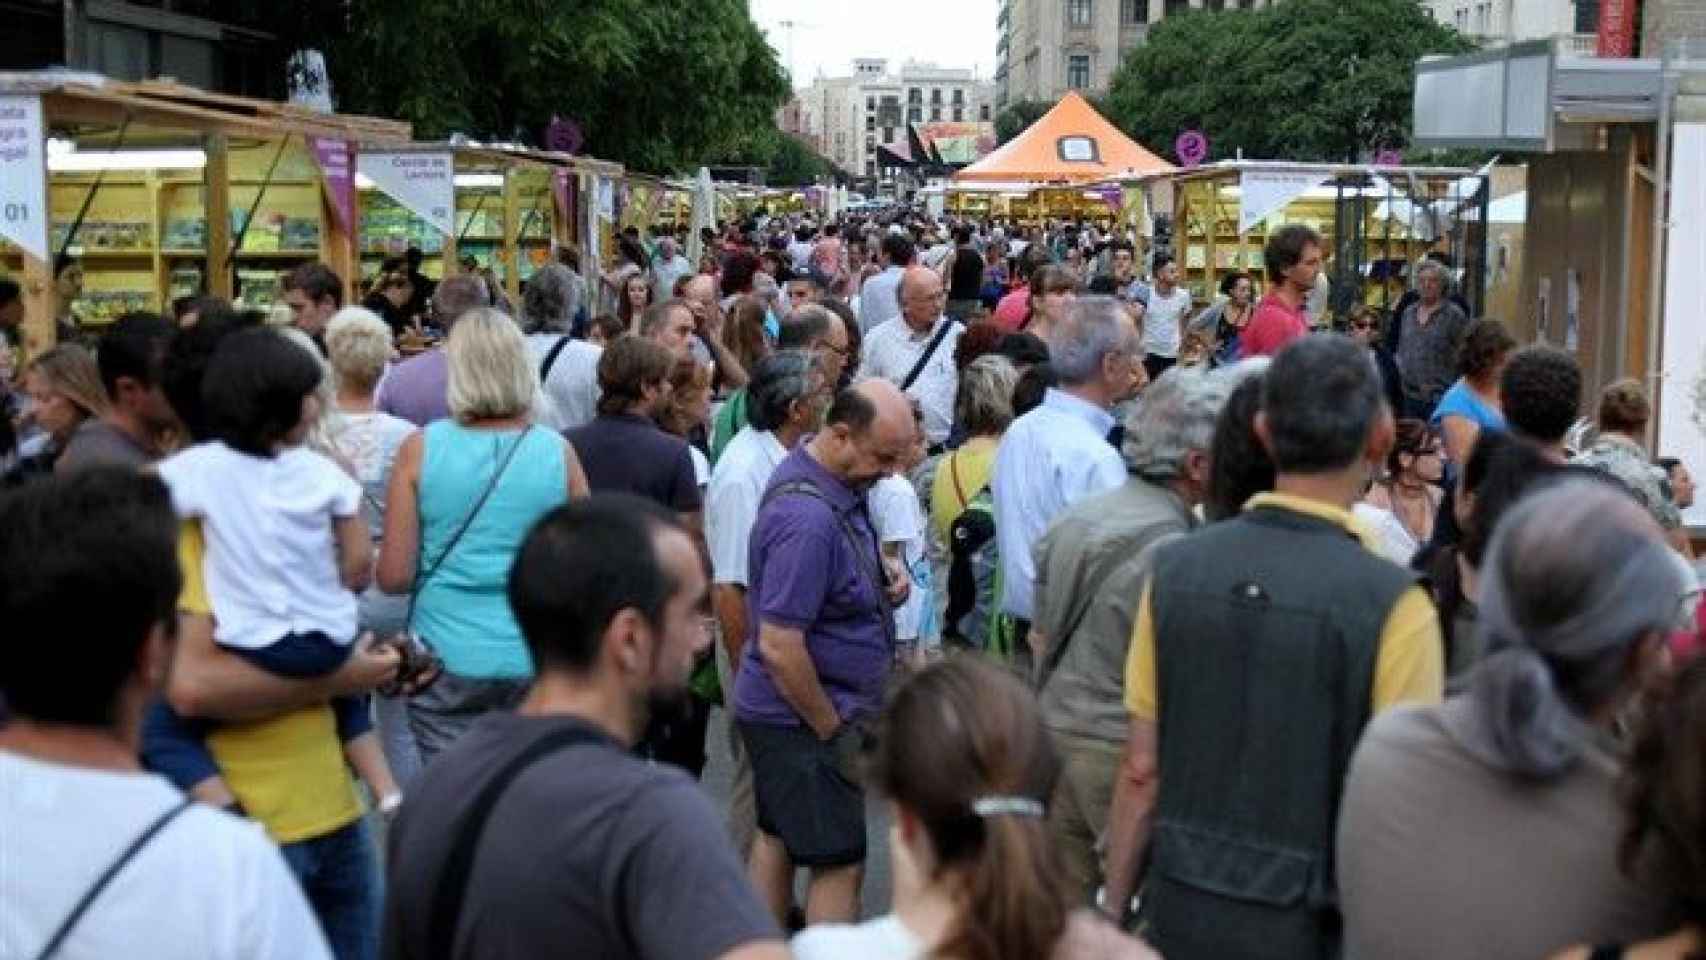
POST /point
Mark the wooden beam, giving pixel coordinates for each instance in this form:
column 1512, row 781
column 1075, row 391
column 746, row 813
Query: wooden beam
column 216, row 201
column 512, row 227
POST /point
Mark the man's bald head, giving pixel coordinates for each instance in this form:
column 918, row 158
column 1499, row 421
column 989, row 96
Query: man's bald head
column 701, row 288
column 921, row 297
column 868, row 433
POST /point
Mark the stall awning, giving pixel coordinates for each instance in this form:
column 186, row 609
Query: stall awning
column 1072, row 143
column 1526, row 97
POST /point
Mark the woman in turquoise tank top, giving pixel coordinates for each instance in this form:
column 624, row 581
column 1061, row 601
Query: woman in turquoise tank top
column 464, row 492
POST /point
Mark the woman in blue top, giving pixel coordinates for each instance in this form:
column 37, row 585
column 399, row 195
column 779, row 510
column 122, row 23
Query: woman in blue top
column 1472, row 404
column 464, row 493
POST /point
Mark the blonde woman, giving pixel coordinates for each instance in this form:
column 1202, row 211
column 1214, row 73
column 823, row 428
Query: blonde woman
column 463, row 493
column 366, row 440
column 64, row 387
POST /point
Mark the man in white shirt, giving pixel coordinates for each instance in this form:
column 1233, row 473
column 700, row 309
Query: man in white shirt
column 786, row 400
column 801, row 247
column 668, row 268
column 1168, row 308
column 103, row 859
column 915, row 352
column 568, row 370
column 879, row 299
column 1059, row 454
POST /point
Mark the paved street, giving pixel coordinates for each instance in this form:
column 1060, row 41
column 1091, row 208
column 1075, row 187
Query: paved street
column 878, row 885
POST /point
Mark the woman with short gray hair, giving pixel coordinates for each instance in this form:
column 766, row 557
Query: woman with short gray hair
column 983, row 407
column 551, row 301
column 463, row 494
column 1488, row 825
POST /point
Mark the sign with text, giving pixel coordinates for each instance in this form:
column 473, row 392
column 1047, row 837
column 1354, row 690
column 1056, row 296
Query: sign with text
column 1264, row 193
column 425, row 183
column 333, row 157
column 23, row 176
column 1191, row 147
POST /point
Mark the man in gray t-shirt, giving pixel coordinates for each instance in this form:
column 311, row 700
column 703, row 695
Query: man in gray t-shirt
column 131, row 355
column 578, row 847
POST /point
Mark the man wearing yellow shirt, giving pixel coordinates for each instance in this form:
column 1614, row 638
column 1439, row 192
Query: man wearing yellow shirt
column 1263, row 645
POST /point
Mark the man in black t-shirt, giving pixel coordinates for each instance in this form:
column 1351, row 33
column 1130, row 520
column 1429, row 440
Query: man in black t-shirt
column 583, row 850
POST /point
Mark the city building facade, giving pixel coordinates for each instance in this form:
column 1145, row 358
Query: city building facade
column 1501, row 22
column 848, row 118
column 1047, row 47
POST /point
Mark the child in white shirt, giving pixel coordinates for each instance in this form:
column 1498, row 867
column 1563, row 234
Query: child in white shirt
column 898, row 518
column 286, row 546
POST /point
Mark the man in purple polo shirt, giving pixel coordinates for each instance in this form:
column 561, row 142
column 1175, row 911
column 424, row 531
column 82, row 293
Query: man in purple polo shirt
column 818, row 650
column 415, row 389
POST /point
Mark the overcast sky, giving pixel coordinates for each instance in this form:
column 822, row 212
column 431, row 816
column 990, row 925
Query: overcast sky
column 829, row 34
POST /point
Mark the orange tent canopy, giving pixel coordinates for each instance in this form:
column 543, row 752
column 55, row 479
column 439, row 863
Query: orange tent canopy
column 1071, row 143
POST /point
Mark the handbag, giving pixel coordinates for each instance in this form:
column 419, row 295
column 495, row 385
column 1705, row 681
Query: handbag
column 424, row 577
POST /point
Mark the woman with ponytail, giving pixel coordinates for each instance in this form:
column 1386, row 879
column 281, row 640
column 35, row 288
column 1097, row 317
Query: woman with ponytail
column 963, row 759
column 1488, row 825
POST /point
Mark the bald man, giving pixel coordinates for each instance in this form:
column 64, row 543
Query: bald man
column 915, row 352
column 818, row 650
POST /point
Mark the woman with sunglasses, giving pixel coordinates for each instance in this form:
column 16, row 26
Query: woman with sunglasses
column 1410, row 492
column 1363, row 324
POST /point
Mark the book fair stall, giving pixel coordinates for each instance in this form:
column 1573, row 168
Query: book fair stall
column 1375, row 222
column 146, row 192
column 1070, row 164
column 469, row 206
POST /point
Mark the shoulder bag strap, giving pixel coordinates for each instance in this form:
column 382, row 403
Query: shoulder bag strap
column 467, row 521
column 551, row 358
column 930, row 351
column 954, row 475
column 1075, row 617
column 70, row 922
column 870, row 561
column 451, row 888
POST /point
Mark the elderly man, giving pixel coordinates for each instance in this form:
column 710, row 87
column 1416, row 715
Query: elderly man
column 1430, row 331
column 1263, row 645
column 1090, row 571
column 915, row 351
column 1058, row 454
column 785, row 402
column 668, row 267
column 415, row 389
column 568, row 367
column 819, row 645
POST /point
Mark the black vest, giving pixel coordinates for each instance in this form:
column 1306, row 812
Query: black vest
column 1267, row 630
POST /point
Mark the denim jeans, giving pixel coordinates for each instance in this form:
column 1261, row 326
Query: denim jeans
column 339, row 873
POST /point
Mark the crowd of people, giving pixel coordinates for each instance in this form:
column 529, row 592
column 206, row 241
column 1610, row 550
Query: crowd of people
column 1237, row 630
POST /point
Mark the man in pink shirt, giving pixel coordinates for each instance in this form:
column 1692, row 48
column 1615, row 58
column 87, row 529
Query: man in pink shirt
column 1293, row 257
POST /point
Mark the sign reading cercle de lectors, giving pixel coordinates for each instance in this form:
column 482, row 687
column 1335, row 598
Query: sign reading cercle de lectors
column 1191, row 148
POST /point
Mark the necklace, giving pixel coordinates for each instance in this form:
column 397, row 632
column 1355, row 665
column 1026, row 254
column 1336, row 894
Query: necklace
column 1412, row 511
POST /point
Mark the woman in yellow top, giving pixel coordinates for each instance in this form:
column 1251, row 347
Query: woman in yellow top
column 983, row 408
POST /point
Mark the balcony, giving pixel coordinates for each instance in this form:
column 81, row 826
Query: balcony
column 1578, row 44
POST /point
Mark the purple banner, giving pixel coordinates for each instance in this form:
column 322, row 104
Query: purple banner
column 333, row 156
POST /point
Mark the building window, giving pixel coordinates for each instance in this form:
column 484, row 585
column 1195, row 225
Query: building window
column 935, row 114
column 1460, row 19
column 870, row 168
column 983, row 112
column 914, row 114
column 1078, row 71
column 1078, row 13
column 1134, row 11
column 959, row 114
column 936, row 96
column 870, row 103
column 871, row 122
column 959, row 96
column 1176, row 6
column 914, row 95
column 888, row 134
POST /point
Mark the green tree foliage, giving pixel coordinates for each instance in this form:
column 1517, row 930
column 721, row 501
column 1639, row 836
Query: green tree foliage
column 1322, row 80
column 661, row 86
column 1016, row 116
